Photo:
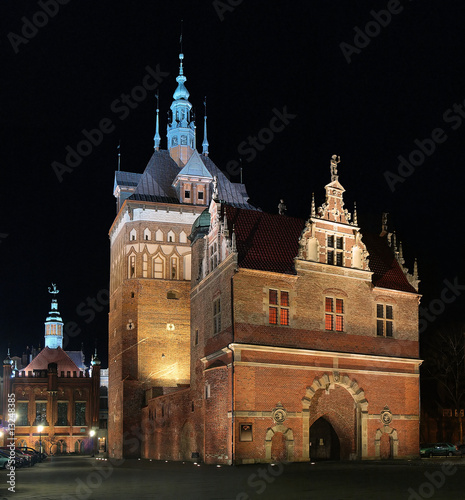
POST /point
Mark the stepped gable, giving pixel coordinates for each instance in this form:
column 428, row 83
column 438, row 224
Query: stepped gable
column 47, row 355
column 387, row 272
column 267, row 242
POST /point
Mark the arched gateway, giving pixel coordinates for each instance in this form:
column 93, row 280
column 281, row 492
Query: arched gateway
column 330, row 381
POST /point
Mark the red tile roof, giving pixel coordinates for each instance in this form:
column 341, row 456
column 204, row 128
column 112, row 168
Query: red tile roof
column 267, row 242
column 270, row 242
column 387, row 272
column 47, row 355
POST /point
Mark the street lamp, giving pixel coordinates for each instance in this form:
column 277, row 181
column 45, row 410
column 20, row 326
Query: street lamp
column 40, row 429
column 92, row 434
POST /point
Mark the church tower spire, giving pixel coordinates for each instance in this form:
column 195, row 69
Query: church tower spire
column 181, row 130
column 156, row 139
column 54, row 323
column 205, row 140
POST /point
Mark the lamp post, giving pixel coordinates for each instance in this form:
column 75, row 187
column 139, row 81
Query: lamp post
column 92, row 434
column 40, row 429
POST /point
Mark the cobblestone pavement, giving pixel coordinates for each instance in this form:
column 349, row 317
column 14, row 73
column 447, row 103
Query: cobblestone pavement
column 82, row 478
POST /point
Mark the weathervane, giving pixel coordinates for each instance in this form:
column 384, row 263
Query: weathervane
column 54, row 291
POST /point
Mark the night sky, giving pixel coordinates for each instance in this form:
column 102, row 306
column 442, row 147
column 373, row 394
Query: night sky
column 370, row 100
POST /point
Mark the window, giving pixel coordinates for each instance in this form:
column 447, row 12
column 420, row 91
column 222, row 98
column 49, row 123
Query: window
column 172, row 294
column 200, row 195
column 187, row 194
column 21, row 414
column 41, row 413
column 447, row 413
column 174, row 268
column 334, row 314
column 384, row 321
column 335, row 254
column 196, row 338
column 245, row 432
column 278, row 309
column 158, row 265
column 80, row 413
column 132, row 266
column 213, row 256
column 207, row 391
column 216, row 316
column 62, row 411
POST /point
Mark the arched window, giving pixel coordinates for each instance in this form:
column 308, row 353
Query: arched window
column 171, row 236
column 159, row 235
column 172, row 294
column 174, row 265
column 158, row 267
column 132, row 266
column 147, row 234
column 133, row 235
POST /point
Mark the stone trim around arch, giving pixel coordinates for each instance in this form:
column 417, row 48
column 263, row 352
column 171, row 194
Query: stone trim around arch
column 326, row 382
column 288, row 434
column 393, row 439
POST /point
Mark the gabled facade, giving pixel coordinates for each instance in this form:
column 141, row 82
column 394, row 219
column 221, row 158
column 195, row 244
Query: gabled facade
column 304, row 342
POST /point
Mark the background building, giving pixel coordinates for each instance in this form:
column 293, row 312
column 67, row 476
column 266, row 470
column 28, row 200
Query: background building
column 54, row 390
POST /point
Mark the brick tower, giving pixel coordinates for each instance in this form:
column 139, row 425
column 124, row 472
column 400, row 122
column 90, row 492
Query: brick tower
column 150, row 270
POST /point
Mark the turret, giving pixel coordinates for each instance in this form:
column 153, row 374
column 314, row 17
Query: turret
column 54, row 323
column 181, row 130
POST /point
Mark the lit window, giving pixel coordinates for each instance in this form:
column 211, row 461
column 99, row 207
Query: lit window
column 334, row 314
column 278, row 307
column 384, row 320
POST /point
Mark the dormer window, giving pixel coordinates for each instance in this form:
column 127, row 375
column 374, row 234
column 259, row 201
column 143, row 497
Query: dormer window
column 200, row 195
column 187, row 194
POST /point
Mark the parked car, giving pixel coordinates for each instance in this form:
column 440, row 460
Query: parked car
column 3, row 461
column 26, row 459
column 19, row 461
column 461, row 450
column 438, row 449
column 40, row 456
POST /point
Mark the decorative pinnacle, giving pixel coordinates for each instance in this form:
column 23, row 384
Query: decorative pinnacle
column 313, row 212
column 205, row 140
column 54, row 291
column 355, row 214
column 415, row 269
column 233, row 240
column 156, row 139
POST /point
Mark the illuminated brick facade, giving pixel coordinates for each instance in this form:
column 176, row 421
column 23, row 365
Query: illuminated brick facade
column 289, row 339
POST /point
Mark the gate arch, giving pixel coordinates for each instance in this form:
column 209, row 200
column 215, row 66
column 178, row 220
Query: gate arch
column 329, row 381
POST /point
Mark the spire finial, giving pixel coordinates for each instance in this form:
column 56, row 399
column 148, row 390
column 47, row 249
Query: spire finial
column 118, row 148
column 156, row 139
column 313, row 212
column 205, row 140
column 180, row 38
column 415, row 269
column 233, row 240
column 355, row 214
column 54, row 291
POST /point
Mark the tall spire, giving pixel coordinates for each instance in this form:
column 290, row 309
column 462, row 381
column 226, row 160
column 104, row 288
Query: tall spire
column 54, row 323
column 205, row 140
column 156, row 139
column 181, row 130
column 313, row 212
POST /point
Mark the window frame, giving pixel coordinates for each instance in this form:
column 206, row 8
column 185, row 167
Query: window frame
column 384, row 323
column 333, row 316
column 279, row 307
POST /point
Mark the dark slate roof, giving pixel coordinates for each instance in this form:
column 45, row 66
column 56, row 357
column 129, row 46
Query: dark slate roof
column 270, row 242
column 266, row 242
column 387, row 272
column 77, row 358
column 128, row 179
column 155, row 184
